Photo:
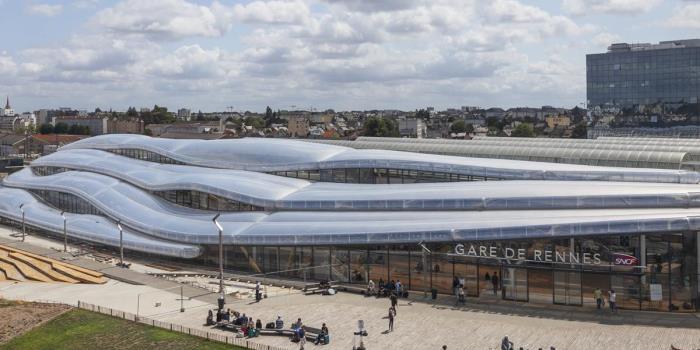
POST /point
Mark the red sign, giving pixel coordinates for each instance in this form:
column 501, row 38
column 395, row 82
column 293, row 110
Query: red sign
column 625, row 259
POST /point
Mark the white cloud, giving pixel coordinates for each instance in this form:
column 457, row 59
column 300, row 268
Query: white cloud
column 686, row 16
column 613, row 7
column 7, row 65
column 375, row 5
column 45, row 9
column 604, row 39
column 341, row 53
column 165, row 19
column 280, row 12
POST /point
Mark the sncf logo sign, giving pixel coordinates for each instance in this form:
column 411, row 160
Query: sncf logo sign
column 624, row 259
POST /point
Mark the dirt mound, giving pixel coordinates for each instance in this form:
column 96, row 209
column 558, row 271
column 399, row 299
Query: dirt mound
column 18, row 317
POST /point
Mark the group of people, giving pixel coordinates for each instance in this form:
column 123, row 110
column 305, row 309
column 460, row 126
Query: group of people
column 384, row 289
column 600, row 301
column 249, row 326
column 299, row 333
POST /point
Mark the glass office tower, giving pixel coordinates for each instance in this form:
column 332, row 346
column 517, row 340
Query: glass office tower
column 665, row 75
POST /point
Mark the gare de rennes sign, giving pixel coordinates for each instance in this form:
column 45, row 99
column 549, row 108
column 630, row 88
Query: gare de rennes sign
column 536, row 255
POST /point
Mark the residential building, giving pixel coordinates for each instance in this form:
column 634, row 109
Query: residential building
column 298, row 126
column 116, row 125
column 184, row 114
column 412, row 127
column 97, row 125
column 554, row 121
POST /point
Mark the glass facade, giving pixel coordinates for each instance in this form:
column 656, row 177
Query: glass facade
column 379, row 176
column 629, row 78
column 66, row 202
column 48, row 170
column 205, row 201
column 144, row 155
column 660, row 273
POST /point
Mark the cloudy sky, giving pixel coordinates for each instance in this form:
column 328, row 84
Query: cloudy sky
column 342, row 54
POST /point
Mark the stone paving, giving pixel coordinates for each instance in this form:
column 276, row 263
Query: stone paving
column 419, row 324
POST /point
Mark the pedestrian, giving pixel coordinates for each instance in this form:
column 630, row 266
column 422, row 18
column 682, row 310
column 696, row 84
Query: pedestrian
column 612, row 300
column 455, row 284
column 506, row 344
column 398, row 288
column 394, row 300
column 598, row 296
column 494, row 282
column 461, row 294
column 391, row 319
column 257, row 292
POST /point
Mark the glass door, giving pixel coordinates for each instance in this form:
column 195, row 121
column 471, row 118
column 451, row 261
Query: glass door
column 514, row 283
column 567, row 288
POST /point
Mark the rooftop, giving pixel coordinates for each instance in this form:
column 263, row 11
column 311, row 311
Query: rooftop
column 671, row 44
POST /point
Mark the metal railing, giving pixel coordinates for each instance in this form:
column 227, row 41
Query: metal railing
column 213, row 336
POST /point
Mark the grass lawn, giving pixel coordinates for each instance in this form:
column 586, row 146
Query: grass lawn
column 82, row 330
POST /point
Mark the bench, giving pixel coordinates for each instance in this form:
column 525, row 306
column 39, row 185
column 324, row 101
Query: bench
column 312, row 333
column 320, row 287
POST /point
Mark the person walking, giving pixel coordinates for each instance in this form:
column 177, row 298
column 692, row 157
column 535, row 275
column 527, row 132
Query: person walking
column 391, row 319
column 598, row 296
column 612, row 300
column 494, row 282
column 394, row 300
column 455, row 285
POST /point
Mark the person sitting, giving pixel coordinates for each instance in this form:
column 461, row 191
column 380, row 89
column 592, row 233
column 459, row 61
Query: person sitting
column 371, row 288
column 297, row 324
column 251, row 329
column 210, row 318
column 279, row 324
column 323, row 336
column 226, row 317
column 388, row 288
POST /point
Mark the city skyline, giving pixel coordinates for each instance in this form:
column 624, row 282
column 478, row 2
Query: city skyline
column 337, row 54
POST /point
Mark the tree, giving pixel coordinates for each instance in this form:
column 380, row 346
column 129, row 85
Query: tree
column 200, row 116
column 458, row 127
column 380, row 127
column 580, row 131
column 269, row 116
column 523, row 130
column 256, row 122
column 132, row 113
column 60, row 128
column 46, row 129
column 423, row 114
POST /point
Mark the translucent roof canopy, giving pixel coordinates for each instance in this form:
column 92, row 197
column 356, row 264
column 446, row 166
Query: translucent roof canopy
column 289, row 155
column 567, row 200
column 584, row 156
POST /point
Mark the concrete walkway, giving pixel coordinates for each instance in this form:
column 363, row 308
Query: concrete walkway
column 419, row 324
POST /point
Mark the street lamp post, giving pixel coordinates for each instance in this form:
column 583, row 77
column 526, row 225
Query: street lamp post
column 121, row 243
column 222, row 299
column 424, row 249
column 65, row 232
column 24, row 230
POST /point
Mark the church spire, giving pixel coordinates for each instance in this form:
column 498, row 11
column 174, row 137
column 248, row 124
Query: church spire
column 7, row 104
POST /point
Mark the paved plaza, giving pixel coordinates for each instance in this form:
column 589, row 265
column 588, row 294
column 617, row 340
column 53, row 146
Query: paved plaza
column 419, row 324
